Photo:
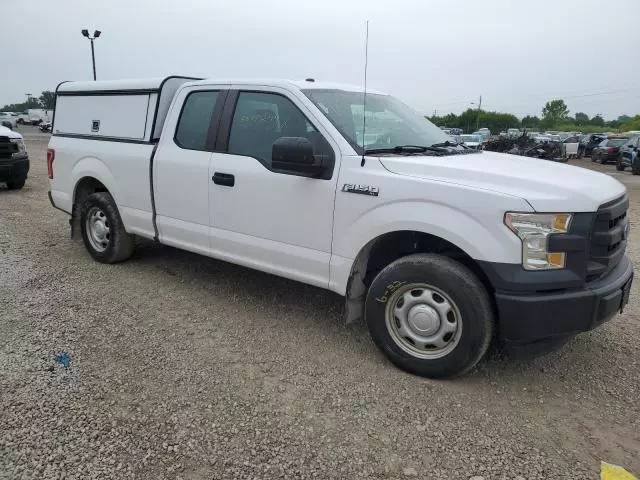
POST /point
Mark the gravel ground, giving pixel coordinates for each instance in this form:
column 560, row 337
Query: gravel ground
column 189, row 368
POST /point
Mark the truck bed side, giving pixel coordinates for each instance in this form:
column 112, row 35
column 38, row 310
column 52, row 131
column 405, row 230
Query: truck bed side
column 122, row 167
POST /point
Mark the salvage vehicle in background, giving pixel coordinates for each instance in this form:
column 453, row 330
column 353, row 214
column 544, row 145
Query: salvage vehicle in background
column 14, row 161
column 608, row 150
column 438, row 247
column 588, row 142
column 629, row 154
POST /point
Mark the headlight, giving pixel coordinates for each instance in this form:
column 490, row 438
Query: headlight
column 534, row 229
column 20, row 143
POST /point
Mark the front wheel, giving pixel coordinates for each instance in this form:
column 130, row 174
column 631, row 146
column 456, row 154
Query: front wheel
column 430, row 315
column 103, row 232
column 619, row 166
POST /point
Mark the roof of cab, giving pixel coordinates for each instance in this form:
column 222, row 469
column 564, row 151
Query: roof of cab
column 156, row 83
column 287, row 84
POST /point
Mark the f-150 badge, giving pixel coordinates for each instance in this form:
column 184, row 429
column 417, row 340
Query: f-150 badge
column 361, row 189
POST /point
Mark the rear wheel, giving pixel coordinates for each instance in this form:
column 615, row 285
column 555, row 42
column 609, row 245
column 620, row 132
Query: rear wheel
column 430, row 315
column 16, row 184
column 619, row 166
column 103, row 232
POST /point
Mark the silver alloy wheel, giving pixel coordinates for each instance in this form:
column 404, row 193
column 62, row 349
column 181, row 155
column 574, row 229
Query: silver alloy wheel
column 97, row 226
column 423, row 321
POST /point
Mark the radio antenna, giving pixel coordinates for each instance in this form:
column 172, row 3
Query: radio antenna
column 364, row 101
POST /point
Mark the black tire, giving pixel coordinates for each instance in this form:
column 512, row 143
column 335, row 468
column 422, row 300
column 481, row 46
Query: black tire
column 16, row 184
column 635, row 172
column 619, row 166
column 454, row 280
column 119, row 245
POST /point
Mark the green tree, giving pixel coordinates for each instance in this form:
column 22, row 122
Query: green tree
column 554, row 112
column 48, row 99
column 624, row 119
column 582, row 118
column 530, row 122
column 597, row 121
column 21, row 107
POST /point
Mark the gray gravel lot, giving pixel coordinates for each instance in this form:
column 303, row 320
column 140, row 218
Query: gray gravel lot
column 189, row 368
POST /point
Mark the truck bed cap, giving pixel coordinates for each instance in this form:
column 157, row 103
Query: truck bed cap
column 134, row 84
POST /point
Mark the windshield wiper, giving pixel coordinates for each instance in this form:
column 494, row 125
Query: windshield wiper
column 445, row 144
column 403, row 149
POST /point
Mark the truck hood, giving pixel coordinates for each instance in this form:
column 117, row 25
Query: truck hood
column 5, row 132
column 548, row 186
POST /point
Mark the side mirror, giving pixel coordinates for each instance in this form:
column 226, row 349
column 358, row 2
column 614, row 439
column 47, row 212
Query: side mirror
column 7, row 124
column 295, row 155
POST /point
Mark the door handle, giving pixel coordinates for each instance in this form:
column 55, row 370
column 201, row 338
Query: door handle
column 225, row 179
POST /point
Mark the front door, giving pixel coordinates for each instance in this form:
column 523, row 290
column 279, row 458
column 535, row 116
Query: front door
column 280, row 223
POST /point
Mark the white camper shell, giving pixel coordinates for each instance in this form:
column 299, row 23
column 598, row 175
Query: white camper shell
column 126, row 110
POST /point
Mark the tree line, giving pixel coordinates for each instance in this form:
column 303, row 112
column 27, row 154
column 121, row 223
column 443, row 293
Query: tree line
column 46, row 100
column 555, row 116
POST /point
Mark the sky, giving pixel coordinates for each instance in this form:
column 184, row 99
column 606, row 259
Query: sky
column 436, row 55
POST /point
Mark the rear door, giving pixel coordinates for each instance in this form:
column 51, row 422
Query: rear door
column 181, row 168
column 277, row 222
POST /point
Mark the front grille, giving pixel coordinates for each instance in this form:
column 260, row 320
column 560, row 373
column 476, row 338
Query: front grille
column 608, row 237
column 7, row 148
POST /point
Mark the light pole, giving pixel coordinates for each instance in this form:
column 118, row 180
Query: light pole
column 96, row 34
column 479, row 104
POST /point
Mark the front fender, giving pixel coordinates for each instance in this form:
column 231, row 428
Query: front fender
column 481, row 237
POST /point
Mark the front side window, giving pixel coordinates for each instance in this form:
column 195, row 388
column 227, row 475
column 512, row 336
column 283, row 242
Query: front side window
column 389, row 122
column 260, row 118
column 195, row 119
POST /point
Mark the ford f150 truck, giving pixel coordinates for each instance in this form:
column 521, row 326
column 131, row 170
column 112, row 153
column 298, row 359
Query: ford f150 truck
column 439, row 248
column 14, row 161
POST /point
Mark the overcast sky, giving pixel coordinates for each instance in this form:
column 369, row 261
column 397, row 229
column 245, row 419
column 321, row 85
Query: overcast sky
column 435, row 55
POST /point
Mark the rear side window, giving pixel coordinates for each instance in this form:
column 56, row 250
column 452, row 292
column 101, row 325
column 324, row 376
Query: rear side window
column 195, row 119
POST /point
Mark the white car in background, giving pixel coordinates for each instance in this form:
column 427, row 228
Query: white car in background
column 472, row 141
column 9, row 117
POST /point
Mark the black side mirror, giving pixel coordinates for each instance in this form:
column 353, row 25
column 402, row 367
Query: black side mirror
column 7, row 124
column 295, row 155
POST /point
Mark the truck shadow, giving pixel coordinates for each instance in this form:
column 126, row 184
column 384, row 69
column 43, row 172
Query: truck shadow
column 308, row 310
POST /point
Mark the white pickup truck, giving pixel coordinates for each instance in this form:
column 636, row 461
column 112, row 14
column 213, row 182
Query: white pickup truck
column 440, row 248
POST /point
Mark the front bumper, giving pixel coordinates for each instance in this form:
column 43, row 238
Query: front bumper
column 531, row 317
column 14, row 168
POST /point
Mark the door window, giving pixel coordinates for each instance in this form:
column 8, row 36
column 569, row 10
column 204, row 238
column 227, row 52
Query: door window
column 195, row 120
column 261, row 118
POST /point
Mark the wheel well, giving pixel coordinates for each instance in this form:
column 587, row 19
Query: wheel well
column 387, row 248
column 85, row 187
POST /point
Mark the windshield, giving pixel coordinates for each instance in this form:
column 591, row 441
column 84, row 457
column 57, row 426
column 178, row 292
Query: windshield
column 389, row 122
column 471, row 138
column 618, row 142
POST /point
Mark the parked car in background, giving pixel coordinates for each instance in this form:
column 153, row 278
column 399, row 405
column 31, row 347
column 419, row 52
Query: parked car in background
column 629, row 154
column 485, row 132
column 472, row 141
column 9, row 118
column 588, row 142
column 608, row 151
column 14, row 161
column 570, row 146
